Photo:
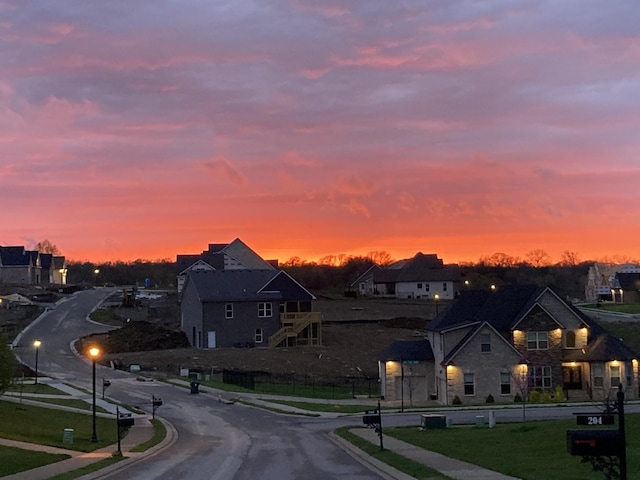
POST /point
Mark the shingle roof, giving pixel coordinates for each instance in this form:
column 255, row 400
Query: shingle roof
column 628, row 281
column 15, row 256
column 407, row 350
column 246, row 285
column 603, row 348
column 501, row 308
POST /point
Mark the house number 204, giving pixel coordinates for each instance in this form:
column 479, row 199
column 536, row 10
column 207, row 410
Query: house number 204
column 594, row 421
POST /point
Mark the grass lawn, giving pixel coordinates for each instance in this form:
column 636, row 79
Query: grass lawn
column 629, row 331
column 159, row 432
column 326, row 407
column 46, row 426
column 30, row 388
column 14, row 460
column 532, row 451
column 414, row 469
column 631, row 308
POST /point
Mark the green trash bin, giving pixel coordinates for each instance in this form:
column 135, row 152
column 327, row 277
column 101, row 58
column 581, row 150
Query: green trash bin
column 195, row 387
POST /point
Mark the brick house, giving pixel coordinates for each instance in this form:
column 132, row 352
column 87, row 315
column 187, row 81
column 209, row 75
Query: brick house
column 517, row 339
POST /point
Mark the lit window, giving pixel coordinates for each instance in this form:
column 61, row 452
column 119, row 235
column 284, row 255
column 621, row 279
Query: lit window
column 505, row 383
column 596, row 370
column 469, row 385
column 615, row 375
column 264, row 310
column 485, row 342
column 258, row 336
column 537, row 340
column 539, row 377
column 228, row 310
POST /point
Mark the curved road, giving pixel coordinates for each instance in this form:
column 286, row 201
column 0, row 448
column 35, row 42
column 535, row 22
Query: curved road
column 215, row 440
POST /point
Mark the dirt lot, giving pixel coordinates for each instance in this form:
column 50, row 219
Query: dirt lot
column 354, row 332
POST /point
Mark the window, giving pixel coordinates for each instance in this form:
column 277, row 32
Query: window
column 596, row 370
column 537, row 340
column 264, row 310
column 228, row 310
column 540, row 377
column 444, row 287
column 469, row 386
column 426, row 287
column 485, row 342
column 419, row 286
column 614, row 371
column 258, row 336
column 570, row 339
column 505, row 383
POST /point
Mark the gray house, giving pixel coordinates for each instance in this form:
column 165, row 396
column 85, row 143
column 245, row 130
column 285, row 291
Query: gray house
column 233, row 308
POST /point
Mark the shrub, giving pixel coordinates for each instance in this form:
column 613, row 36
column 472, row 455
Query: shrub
column 545, row 397
column 456, row 401
column 517, row 398
column 534, row 396
column 559, row 394
column 489, row 399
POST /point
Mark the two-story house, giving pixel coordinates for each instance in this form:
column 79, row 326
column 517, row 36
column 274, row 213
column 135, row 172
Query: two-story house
column 522, row 338
column 227, row 308
column 423, row 276
column 222, row 256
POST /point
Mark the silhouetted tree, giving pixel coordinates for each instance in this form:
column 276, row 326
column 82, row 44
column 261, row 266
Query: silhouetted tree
column 45, row 246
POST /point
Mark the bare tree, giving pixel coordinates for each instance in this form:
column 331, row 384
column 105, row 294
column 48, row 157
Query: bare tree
column 499, row 259
column 45, row 246
column 380, row 257
column 569, row 259
column 538, row 258
column 521, row 381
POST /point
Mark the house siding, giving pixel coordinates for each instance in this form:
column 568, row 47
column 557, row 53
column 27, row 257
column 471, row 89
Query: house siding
column 241, row 328
column 485, row 367
column 191, row 315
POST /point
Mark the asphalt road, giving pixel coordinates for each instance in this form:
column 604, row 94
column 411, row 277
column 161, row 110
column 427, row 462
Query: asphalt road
column 215, row 440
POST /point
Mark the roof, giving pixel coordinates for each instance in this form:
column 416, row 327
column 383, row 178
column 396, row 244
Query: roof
column 628, row 281
column 216, row 253
column 421, row 268
column 502, row 308
column 603, row 348
column 407, row 350
column 16, row 256
column 246, row 285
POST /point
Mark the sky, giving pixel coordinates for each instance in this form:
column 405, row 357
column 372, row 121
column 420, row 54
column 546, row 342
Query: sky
column 146, row 129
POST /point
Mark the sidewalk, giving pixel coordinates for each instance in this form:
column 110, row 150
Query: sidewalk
column 456, row 469
column 139, row 433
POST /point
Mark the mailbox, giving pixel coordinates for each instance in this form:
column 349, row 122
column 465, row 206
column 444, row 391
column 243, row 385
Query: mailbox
column 106, row 383
column 371, row 419
column 593, row 443
column 157, row 401
column 125, row 420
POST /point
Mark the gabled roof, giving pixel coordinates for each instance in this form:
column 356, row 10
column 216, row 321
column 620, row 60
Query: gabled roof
column 603, row 348
column 245, row 285
column 472, row 333
column 59, row 262
column 628, row 281
column 46, row 260
column 216, row 253
column 502, row 308
column 14, row 256
column 421, row 268
column 407, row 350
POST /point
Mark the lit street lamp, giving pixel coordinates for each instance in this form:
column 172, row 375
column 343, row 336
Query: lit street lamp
column 94, row 352
column 436, row 297
column 36, row 344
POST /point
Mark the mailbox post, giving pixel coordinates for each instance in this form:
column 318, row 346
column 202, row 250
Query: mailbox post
column 155, row 403
column 123, row 420
column 606, row 450
column 105, row 384
column 373, row 419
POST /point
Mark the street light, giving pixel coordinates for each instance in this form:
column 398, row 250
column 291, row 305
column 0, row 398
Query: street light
column 94, row 352
column 36, row 344
column 436, row 297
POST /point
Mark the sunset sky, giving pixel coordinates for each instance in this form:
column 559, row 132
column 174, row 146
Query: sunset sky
column 146, row 129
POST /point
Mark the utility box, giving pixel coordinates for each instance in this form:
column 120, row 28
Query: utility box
column 593, row 443
column 431, row 421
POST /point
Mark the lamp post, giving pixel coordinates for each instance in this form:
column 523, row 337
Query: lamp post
column 436, row 297
column 36, row 344
column 94, row 352
column 96, row 272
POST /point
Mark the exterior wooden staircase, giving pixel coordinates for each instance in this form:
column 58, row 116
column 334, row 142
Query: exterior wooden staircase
column 298, row 329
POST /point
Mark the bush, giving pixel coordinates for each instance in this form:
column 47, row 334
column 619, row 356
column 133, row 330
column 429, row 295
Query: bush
column 456, row 401
column 534, row 396
column 559, row 394
column 517, row 398
column 489, row 399
column 545, row 397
